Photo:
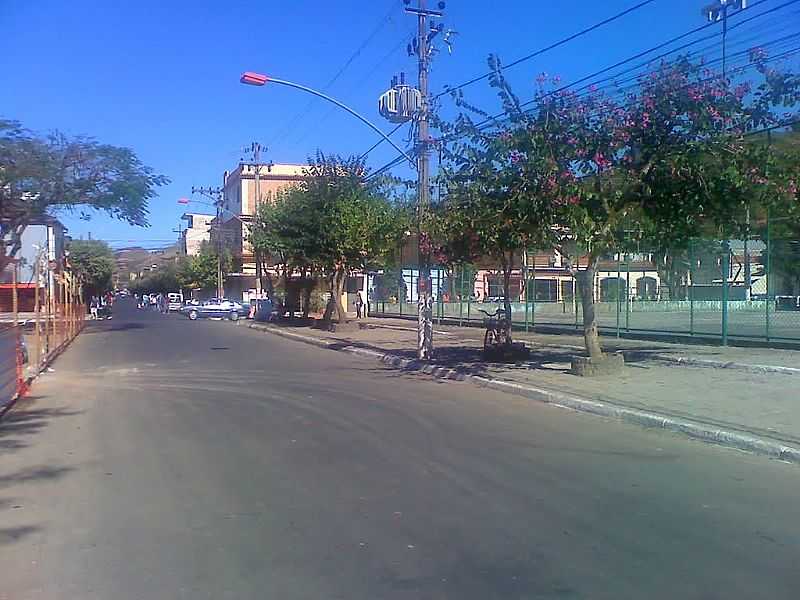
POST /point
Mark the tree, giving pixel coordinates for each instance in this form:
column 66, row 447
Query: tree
column 494, row 207
column 284, row 233
column 92, row 261
column 163, row 280
column 339, row 223
column 664, row 163
column 199, row 272
column 42, row 174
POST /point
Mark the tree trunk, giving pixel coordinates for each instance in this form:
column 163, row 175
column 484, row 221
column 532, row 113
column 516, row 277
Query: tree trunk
column 308, row 286
column 591, row 338
column 342, row 281
column 267, row 285
column 338, row 280
column 508, row 266
column 330, row 306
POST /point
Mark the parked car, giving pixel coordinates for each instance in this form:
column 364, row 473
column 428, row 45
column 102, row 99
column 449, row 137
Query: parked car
column 215, row 308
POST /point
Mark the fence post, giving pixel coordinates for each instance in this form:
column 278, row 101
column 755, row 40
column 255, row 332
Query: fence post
column 619, row 300
column 401, row 288
column 527, row 282
column 461, row 297
column 440, row 294
column 37, row 307
column 691, row 289
column 627, row 292
column 14, row 296
column 575, row 298
column 469, row 302
column 533, row 289
column 767, row 267
column 726, row 269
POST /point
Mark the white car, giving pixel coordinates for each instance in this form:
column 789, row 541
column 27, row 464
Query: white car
column 216, row 308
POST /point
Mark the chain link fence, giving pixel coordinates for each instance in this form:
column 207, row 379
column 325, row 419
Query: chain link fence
column 715, row 289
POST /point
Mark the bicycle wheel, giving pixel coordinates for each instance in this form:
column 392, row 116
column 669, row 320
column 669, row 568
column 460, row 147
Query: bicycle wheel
column 489, row 340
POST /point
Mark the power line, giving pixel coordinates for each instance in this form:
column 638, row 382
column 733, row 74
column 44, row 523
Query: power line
column 552, row 46
column 385, row 168
column 340, row 72
column 742, row 69
column 616, row 75
column 665, row 54
column 639, row 55
column 380, row 141
column 357, row 84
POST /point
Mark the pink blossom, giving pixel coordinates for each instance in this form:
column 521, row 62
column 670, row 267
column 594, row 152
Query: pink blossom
column 541, row 78
column 741, row 90
column 601, row 161
column 556, row 79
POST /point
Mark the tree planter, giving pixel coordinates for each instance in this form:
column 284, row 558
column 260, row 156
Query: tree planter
column 334, row 327
column 607, row 364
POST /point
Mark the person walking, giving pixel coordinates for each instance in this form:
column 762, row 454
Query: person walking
column 94, row 307
column 360, row 308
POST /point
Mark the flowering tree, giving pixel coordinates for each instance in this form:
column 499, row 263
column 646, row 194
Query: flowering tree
column 494, row 206
column 665, row 162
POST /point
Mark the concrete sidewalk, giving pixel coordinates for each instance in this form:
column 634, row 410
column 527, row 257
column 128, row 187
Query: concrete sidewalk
column 751, row 403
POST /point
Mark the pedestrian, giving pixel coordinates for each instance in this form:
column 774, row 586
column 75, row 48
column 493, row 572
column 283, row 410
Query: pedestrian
column 94, row 306
column 360, row 308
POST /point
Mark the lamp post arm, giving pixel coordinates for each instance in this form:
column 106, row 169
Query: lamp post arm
column 348, row 109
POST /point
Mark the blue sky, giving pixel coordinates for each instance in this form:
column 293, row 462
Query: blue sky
column 162, row 77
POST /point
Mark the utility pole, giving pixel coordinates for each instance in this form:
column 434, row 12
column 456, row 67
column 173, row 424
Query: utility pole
column 216, row 195
column 424, row 291
column 718, row 11
column 255, row 152
column 179, row 231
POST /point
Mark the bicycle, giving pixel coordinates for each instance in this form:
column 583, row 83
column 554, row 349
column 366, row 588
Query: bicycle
column 497, row 338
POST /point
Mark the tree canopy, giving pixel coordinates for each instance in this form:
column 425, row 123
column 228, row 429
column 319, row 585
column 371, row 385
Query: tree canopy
column 93, row 263
column 43, row 174
column 333, row 222
column 585, row 174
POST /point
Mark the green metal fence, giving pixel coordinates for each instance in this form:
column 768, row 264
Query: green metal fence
column 717, row 289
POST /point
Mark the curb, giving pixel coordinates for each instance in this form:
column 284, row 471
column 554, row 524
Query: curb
column 678, row 360
column 718, row 364
column 691, row 429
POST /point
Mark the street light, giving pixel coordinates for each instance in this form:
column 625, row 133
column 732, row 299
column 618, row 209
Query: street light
column 222, row 209
column 259, row 80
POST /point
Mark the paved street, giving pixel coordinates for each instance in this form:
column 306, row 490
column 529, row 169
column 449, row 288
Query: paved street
column 166, row 459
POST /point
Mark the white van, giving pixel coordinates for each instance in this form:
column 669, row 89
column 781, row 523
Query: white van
column 175, row 300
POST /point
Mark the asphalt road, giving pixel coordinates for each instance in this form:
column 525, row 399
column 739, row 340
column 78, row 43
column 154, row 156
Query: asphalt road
column 166, row 459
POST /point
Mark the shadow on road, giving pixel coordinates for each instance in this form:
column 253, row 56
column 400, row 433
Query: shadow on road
column 24, row 422
column 9, row 535
column 106, row 326
column 34, row 474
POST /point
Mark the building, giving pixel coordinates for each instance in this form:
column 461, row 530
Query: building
column 198, row 230
column 243, row 189
column 43, row 241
